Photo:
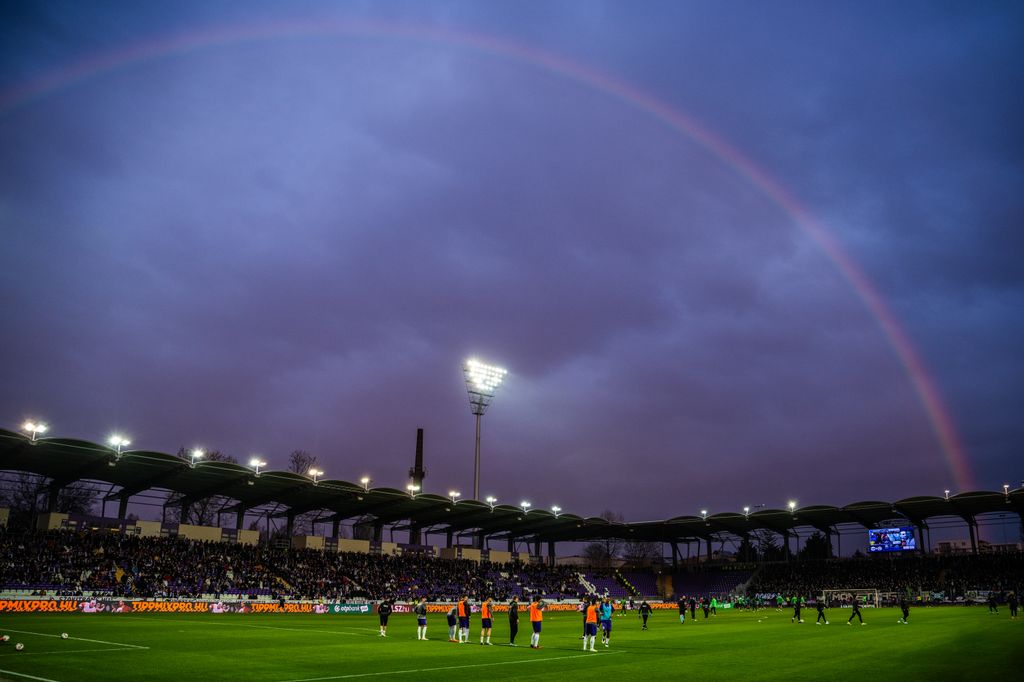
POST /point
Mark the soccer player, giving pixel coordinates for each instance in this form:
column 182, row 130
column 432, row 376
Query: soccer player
column 693, row 609
column 622, row 607
column 905, row 607
column 453, row 621
column 796, row 610
column 992, row 607
column 856, row 612
column 682, row 610
column 779, row 601
column 513, row 620
column 421, row 619
column 705, row 607
column 591, row 631
column 820, row 605
column 485, row 622
column 463, row 612
column 607, row 609
column 383, row 611
column 536, row 618
column 645, row 613
column 1011, row 601
column 714, row 606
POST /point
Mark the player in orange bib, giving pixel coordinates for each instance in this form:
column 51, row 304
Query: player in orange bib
column 591, row 625
column 536, row 616
column 463, row 611
column 485, row 622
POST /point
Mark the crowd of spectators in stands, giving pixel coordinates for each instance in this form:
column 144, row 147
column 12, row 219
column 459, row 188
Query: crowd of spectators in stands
column 952, row 575
column 70, row 564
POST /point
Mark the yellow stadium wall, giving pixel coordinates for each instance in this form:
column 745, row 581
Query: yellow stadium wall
column 248, row 537
column 148, row 529
column 362, row 546
column 199, row 532
column 308, row 541
column 50, row 521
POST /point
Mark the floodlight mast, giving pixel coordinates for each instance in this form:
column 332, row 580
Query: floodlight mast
column 482, row 382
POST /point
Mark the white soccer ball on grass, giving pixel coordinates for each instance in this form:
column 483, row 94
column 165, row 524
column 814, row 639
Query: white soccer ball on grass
column 19, row 646
column 63, row 635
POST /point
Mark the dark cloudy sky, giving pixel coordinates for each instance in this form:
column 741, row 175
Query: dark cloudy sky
column 263, row 227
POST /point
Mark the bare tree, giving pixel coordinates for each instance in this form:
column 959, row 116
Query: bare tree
column 29, row 494
column 641, row 553
column 602, row 553
column 300, row 462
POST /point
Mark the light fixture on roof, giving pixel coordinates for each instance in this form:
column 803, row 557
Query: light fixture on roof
column 34, row 428
column 704, row 514
column 555, row 510
column 256, row 463
column 1006, row 488
column 454, row 495
column 118, row 442
column 315, row 474
column 365, row 480
column 491, row 500
column 197, row 453
column 413, row 489
column 525, row 505
column 482, row 381
column 746, row 511
column 947, row 493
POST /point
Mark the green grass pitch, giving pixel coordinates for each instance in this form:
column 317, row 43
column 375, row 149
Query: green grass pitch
column 952, row 643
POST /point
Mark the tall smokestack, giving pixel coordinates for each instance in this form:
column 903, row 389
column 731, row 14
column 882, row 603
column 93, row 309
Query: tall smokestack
column 417, row 474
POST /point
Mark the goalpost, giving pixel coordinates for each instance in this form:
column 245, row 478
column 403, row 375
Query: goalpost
column 845, row 597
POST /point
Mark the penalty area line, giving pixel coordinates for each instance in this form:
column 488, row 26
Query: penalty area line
column 452, row 667
column 27, row 677
column 62, row 652
column 79, row 639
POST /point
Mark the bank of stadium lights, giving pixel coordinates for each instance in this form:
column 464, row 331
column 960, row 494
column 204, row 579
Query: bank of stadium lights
column 315, row 474
column 413, row 489
column 257, row 463
column 454, row 495
column 1006, row 488
column 704, row 514
column 792, row 505
column 525, row 505
column 947, row 493
column 556, row 510
column 197, row 453
column 118, row 442
column 34, row 428
column 491, row 500
column 366, row 480
column 746, row 511
column 482, row 382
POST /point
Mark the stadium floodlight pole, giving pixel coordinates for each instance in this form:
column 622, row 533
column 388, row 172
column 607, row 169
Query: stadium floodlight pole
column 482, row 381
column 746, row 511
column 1006, row 488
column 555, row 510
column 792, row 505
column 491, row 500
column 34, row 428
column 315, row 474
column 454, row 495
column 704, row 514
column 947, row 493
column 256, row 463
column 525, row 505
column 366, row 480
column 197, row 453
column 119, row 441
column 413, row 489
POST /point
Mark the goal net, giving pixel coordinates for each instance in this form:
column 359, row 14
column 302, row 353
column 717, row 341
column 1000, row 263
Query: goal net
column 846, row 597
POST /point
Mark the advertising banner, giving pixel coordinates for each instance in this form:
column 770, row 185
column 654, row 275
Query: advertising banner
column 349, row 608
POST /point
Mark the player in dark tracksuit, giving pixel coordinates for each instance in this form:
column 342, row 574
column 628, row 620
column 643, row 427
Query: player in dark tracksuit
column 905, row 607
column 856, row 612
column 383, row 611
column 645, row 613
column 992, row 604
column 513, row 620
column 693, row 609
column 796, row 610
column 1011, row 601
column 682, row 610
column 820, row 605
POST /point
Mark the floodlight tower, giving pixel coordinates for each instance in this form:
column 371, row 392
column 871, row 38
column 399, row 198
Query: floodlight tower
column 482, row 382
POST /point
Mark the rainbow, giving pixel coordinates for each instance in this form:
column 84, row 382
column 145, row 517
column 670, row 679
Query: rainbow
column 924, row 385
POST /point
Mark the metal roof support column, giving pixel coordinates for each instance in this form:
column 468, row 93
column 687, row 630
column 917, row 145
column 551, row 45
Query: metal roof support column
column 378, row 531
column 920, row 527
column 240, row 518
column 335, row 526
column 828, row 542
column 708, row 540
column 971, row 525
column 53, row 496
column 290, row 525
column 675, row 555
column 785, row 540
column 536, row 548
column 122, row 508
column 186, row 506
column 551, row 552
column 449, row 537
column 511, row 544
column 414, row 534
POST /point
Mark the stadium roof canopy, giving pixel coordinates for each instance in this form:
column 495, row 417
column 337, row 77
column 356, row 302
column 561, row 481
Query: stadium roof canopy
column 65, row 461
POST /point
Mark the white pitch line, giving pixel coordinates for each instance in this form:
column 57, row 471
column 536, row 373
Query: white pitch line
column 80, row 639
column 27, row 677
column 453, row 667
column 365, row 633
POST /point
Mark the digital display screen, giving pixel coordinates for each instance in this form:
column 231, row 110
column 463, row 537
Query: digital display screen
column 891, row 539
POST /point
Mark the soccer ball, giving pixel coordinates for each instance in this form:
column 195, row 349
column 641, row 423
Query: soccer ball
column 63, row 635
column 19, row 646
column 5, row 638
